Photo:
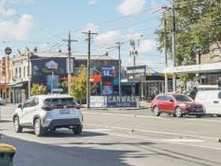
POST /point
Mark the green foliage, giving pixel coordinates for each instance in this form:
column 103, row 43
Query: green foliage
column 79, row 85
column 197, row 26
column 38, row 89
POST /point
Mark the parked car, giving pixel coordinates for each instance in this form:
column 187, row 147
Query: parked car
column 177, row 105
column 211, row 99
column 2, row 101
column 47, row 113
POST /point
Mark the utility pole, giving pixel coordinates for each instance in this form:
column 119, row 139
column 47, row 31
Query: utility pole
column 29, row 70
column 165, row 51
column 174, row 45
column 69, row 60
column 133, row 52
column 89, row 33
column 119, row 66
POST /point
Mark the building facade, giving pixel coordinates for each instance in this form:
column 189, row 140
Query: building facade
column 20, row 72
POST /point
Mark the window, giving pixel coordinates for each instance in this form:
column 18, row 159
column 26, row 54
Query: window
column 59, row 101
column 170, row 98
column 219, row 95
column 162, row 97
column 182, row 98
column 24, row 73
column 28, row 103
column 19, row 73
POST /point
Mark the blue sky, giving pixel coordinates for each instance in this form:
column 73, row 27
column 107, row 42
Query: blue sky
column 45, row 23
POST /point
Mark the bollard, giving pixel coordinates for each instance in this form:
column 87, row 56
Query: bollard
column 7, row 153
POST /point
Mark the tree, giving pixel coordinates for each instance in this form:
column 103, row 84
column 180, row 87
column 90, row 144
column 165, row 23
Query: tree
column 79, row 85
column 197, row 26
column 38, row 89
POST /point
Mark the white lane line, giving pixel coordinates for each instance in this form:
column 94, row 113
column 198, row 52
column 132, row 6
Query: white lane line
column 181, row 140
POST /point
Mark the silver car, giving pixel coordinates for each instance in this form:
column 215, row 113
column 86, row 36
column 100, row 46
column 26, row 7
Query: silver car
column 47, row 113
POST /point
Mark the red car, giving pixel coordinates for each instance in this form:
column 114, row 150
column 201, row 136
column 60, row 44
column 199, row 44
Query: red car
column 177, row 105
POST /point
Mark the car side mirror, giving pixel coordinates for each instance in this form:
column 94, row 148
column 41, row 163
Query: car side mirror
column 171, row 100
column 20, row 106
column 78, row 106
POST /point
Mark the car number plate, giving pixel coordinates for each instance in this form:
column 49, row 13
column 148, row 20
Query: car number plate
column 64, row 111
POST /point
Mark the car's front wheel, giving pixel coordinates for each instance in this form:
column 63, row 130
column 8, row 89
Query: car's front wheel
column 178, row 112
column 16, row 125
column 38, row 129
column 156, row 111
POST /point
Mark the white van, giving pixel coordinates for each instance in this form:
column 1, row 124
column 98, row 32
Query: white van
column 211, row 100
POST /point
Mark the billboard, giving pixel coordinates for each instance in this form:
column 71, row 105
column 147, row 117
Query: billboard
column 107, row 77
column 136, row 73
column 48, row 71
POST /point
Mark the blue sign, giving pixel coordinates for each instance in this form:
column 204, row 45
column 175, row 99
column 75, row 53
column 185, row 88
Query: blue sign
column 113, row 101
column 122, row 101
column 107, row 72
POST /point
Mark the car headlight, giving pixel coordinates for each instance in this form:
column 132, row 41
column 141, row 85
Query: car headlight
column 188, row 106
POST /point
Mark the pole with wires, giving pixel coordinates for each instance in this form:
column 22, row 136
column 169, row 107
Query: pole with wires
column 69, row 66
column 89, row 33
column 165, row 51
column 174, row 46
column 119, row 67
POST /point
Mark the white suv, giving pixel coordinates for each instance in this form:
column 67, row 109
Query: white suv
column 48, row 112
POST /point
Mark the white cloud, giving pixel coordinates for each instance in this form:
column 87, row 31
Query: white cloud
column 108, row 38
column 91, row 27
column 147, row 47
column 128, row 7
column 4, row 11
column 92, row 2
column 13, row 26
column 16, row 30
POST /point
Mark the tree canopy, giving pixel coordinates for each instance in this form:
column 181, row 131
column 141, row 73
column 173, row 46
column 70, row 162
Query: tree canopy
column 79, row 85
column 197, row 25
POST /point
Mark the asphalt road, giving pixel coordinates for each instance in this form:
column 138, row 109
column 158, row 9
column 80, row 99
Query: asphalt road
column 124, row 137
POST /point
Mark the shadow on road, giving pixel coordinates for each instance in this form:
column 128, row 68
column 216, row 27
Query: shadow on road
column 67, row 133
column 35, row 154
column 5, row 121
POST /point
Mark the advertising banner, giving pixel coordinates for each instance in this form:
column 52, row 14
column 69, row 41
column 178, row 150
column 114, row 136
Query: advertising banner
column 107, row 77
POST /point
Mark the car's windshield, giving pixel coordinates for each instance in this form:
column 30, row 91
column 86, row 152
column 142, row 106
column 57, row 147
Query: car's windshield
column 59, row 101
column 182, row 98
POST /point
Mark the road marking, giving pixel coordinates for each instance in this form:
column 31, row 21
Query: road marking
column 181, row 140
column 97, row 130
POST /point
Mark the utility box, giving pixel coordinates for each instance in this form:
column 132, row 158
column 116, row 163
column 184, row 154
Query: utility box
column 7, row 153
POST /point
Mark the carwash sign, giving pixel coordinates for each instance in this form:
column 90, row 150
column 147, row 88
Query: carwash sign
column 122, row 101
column 113, row 101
